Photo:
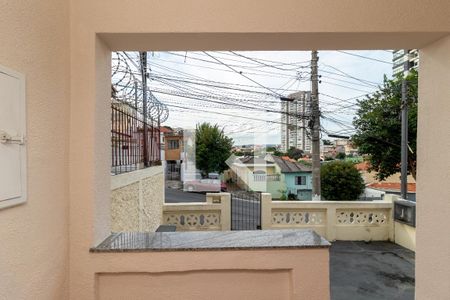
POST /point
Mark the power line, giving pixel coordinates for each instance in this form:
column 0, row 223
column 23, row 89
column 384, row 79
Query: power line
column 366, row 57
column 251, row 72
column 273, row 61
column 347, row 87
column 170, row 77
column 238, row 72
column 263, row 63
column 225, row 114
column 348, row 75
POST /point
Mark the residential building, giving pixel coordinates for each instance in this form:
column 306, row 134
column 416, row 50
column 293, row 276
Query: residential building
column 297, row 176
column 399, row 57
column 257, row 174
column 173, row 147
column 129, row 152
column 294, row 122
column 338, row 146
column 391, row 184
column 275, row 175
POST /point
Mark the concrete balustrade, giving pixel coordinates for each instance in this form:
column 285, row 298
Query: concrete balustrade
column 334, row 220
column 214, row 214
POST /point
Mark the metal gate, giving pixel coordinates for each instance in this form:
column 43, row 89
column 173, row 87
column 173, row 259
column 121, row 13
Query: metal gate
column 245, row 210
column 173, row 171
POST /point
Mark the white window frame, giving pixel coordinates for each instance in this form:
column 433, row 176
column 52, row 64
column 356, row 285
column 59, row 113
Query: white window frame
column 23, row 148
column 296, row 181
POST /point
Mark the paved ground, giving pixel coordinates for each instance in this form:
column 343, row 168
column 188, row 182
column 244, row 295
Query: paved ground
column 174, row 196
column 366, row 271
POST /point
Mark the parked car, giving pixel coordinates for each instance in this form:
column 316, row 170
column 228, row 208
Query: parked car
column 213, row 175
column 202, row 185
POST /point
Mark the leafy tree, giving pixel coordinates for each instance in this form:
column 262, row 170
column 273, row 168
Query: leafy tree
column 340, row 180
column 283, row 194
column 295, row 153
column 327, row 142
column 340, row 155
column 278, row 153
column 378, row 127
column 213, row 148
column 328, row 158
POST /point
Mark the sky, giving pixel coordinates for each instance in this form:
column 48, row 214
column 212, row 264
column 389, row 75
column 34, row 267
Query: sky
column 240, row 91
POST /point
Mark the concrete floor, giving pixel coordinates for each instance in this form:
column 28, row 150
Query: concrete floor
column 376, row 270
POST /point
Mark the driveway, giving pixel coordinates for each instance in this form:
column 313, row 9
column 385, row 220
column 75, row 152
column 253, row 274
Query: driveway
column 366, row 271
column 176, row 196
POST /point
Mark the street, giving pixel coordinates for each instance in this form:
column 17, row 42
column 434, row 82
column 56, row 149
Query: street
column 176, row 196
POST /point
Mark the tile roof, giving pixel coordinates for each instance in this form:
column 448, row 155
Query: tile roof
column 392, row 186
column 363, row 166
column 164, row 129
column 252, row 160
column 288, row 166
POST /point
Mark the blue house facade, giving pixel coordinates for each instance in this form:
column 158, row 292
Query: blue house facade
column 300, row 184
column 297, row 177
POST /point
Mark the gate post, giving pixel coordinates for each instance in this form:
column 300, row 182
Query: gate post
column 225, row 211
column 266, row 211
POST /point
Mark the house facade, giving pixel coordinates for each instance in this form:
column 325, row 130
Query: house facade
column 272, row 174
column 296, row 176
column 257, row 174
column 173, row 147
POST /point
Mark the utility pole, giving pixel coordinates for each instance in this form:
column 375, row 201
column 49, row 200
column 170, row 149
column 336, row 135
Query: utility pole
column 404, row 145
column 143, row 59
column 315, row 126
column 288, row 122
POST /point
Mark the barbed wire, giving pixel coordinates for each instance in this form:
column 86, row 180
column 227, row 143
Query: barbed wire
column 127, row 87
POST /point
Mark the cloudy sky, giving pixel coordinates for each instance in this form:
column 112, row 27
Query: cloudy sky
column 240, row 91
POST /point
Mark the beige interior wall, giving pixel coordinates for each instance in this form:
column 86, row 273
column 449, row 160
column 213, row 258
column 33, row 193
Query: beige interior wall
column 233, row 24
column 433, row 177
column 34, row 40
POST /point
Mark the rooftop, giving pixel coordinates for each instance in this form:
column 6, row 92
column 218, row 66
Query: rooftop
column 392, row 186
column 289, row 166
column 250, row 160
column 375, row 270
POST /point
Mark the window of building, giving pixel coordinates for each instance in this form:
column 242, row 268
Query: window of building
column 300, row 180
column 173, row 144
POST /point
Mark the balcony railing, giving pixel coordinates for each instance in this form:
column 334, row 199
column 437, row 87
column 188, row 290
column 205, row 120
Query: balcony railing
column 265, row 177
column 134, row 144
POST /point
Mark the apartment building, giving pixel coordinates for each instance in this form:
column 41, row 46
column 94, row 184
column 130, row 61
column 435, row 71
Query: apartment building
column 399, row 57
column 294, row 122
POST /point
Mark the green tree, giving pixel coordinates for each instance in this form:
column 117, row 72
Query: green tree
column 340, row 180
column 327, row 142
column 278, row 153
column 295, row 153
column 378, row 127
column 340, row 155
column 213, row 148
